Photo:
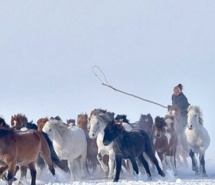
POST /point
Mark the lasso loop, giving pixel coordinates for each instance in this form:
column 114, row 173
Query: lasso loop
column 101, row 73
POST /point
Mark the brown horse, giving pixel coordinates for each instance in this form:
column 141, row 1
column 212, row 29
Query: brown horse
column 40, row 123
column 92, row 148
column 165, row 141
column 16, row 150
column 18, row 121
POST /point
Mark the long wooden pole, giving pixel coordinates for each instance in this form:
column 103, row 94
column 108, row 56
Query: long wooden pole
column 129, row 94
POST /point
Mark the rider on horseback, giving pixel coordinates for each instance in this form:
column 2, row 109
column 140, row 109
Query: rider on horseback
column 179, row 99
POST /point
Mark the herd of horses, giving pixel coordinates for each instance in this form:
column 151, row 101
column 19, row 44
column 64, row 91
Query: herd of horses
column 102, row 139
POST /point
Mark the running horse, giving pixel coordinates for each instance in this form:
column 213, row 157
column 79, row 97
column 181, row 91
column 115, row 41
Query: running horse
column 165, row 141
column 16, row 150
column 198, row 139
column 129, row 145
column 92, row 148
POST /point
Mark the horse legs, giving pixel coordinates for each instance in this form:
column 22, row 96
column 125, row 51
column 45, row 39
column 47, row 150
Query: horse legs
column 71, row 168
column 145, row 164
column 194, row 162
column 23, row 170
column 134, row 164
column 46, row 156
column 202, row 164
column 83, row 160
column 11, row 170
column 111, row 163
column 100, row 156
column 33, row 173
column 118, row 160
column 151, row 155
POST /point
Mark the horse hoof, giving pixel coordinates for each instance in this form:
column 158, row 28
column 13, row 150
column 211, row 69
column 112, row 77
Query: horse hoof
column 162, row 174
column 115, row 180
column 204, row 175
column 110, row 176
column 197, row 173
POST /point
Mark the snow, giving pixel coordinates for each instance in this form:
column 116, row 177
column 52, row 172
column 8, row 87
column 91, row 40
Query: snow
column 185, row 177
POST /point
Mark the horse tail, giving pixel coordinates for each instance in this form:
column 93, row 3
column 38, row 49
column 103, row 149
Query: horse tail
column 55, row 159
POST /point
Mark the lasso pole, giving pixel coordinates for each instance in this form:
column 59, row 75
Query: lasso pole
column 129, row 94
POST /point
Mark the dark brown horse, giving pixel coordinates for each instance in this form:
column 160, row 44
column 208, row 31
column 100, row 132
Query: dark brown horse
column 16, row 150
column 3, row 124
column 129, row 145
column 92, row 148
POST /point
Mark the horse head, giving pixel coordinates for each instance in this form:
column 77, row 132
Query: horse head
column 18, row 121
column 41, row 122
column 122, row 117
column 159, row 127
column 194, row 117
column 111, row 131
column 52, row 125
column 169, row 120
column 70, row 122
column 82, row 121
column 98, row 121
column 146, row 123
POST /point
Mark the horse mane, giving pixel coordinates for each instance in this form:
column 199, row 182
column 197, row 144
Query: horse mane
column 5, row 132
column 198, row 110
column 159, row 122
column 122, row 117
column 62, row 127
column 82, row 116
column 97, row 111
column 42, row 120
column 20, row 116
column 3, row 123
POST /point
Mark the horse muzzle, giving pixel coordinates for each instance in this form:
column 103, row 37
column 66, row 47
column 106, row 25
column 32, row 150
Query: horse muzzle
column 190, row 127
column 92, row 135
column 106, row 143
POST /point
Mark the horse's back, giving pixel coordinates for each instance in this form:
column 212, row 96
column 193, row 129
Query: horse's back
column 28, row 146
column 77, row 142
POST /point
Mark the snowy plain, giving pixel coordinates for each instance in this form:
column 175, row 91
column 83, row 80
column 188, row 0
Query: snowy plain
column 185, row 177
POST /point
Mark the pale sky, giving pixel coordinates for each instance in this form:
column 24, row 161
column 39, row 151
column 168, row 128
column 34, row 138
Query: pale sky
column 48, row 49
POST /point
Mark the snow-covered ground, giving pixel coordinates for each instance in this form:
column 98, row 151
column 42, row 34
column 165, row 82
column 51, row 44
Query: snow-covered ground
column 185, row 177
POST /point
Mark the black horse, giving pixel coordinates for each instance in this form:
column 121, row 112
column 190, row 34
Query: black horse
column 129, row 145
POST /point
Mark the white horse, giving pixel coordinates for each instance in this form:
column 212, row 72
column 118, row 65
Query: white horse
column 98, row 121
column 198, row 139
column 69, row 143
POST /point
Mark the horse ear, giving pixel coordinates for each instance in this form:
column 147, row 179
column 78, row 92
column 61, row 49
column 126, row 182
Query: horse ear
column 189, row 108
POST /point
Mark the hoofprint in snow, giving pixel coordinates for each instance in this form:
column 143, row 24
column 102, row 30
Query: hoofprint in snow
column 185, row 177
